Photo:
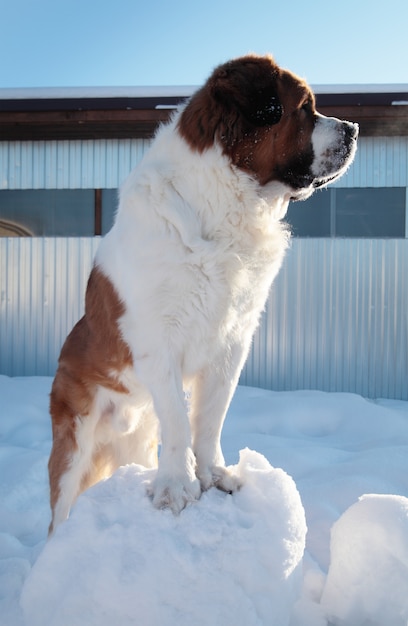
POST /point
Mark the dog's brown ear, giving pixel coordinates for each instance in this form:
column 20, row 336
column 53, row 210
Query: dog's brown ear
column 249, row 86
column 266, row 110
column 239, row 96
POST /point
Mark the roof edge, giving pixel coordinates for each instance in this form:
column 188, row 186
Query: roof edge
column 173, row 91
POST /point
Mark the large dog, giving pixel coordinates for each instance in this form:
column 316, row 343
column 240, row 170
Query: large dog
column 179, row 282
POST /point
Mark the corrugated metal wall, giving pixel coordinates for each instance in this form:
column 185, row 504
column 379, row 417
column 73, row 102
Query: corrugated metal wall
column 96, row 164
column 337, row 318
column 42, row 285
column 380, row 162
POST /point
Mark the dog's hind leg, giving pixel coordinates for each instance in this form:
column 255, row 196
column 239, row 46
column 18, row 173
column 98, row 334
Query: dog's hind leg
column 140, row 445
column 71, row 464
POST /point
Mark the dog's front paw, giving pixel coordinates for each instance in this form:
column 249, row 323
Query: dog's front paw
column 175, row 492
column 176, row 483
column 219, row 476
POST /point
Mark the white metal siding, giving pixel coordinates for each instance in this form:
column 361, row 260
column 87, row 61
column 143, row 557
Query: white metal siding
column 42, row 285
column 380, row 162
column 95, row 164
column 337, row 318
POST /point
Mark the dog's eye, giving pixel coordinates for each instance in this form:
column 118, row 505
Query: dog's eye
column 307, row 106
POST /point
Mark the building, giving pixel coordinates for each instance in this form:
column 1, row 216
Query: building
column 337, row 316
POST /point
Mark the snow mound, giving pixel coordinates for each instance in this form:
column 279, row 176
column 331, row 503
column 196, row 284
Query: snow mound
column 224, row 560
column 367, row 578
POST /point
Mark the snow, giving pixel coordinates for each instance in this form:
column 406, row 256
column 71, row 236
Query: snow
column 175, row 91
column 52, row 93
column 368, row 573
column 174, row 570
column 336, row 460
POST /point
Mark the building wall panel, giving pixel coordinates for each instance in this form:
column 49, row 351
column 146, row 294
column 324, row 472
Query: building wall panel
column 78, row 164
column 42, row 285
column 380, row 162
column 336, row 320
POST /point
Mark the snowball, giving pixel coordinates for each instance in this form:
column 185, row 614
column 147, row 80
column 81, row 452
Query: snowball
column 368, row 574
column 224, row 560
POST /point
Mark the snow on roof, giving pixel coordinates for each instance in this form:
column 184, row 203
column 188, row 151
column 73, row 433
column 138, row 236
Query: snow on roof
column 39, row 93
column 369, row 88
column 46, row 93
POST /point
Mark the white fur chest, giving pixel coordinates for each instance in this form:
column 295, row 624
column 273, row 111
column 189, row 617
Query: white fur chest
column 192, row 253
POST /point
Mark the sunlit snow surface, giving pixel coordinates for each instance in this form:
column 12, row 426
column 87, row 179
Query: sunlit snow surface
column 226, row 559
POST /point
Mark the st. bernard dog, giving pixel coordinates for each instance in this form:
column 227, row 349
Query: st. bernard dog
column 179, row 283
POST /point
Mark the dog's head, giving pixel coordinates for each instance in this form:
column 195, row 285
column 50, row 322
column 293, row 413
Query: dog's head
column 266, row 122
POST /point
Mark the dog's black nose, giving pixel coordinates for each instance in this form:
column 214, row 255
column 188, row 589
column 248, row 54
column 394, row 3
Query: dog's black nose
column 351, row 130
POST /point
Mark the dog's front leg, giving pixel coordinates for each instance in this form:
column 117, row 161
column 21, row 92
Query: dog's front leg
column 176, row 483
column 212, row 393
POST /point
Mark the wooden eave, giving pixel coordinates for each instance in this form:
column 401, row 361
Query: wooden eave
column 118, row 118
column 71, row 124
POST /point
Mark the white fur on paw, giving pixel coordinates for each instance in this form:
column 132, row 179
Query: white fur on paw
column 221, row 477
column 175, row 493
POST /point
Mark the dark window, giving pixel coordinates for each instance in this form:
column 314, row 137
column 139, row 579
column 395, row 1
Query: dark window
column 311, row 217
column 370, row 212
column 44, row 212
column 355, row 212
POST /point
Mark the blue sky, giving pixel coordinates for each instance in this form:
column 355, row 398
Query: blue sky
column 55, row 43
